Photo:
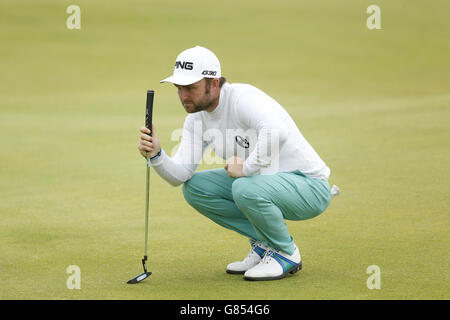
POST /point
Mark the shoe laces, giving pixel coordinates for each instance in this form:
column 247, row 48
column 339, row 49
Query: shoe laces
column 268, row 256
column 254, row 246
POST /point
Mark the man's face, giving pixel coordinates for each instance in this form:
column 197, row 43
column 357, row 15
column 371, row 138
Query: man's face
column 195, row 97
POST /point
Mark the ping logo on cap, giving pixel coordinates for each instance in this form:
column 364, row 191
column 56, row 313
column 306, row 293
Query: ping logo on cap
column 184, row 65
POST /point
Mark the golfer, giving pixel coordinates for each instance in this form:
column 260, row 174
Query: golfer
column 272, row 173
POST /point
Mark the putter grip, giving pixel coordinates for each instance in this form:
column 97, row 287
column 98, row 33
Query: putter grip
column 149, row 110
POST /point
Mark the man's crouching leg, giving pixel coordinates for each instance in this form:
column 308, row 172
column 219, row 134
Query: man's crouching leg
column 209, row 192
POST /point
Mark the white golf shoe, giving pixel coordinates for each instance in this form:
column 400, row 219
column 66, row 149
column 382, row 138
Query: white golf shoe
column 254, row 257
column 275, row 265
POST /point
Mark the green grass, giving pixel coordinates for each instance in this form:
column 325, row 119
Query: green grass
column 374, row 104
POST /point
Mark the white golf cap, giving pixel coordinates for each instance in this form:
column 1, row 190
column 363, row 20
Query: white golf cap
column 193, row 65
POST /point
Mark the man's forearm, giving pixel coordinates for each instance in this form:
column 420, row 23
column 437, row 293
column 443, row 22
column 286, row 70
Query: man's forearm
column 174, row 173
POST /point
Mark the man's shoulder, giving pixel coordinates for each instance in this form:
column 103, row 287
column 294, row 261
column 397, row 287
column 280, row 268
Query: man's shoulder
column 248, row 94
column 242, row 87
column 240, row 91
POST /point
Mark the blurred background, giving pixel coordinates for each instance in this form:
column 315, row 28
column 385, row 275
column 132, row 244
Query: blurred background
column 375, row 105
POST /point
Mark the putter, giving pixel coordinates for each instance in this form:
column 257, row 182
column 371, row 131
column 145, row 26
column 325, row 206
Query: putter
column 148, row 124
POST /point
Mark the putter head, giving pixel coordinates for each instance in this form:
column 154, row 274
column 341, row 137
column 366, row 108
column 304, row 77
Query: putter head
column 143, row 275
column 139, row 278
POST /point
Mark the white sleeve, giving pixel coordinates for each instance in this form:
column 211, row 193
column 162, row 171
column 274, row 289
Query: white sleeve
column 182, row 165
column 259, row 113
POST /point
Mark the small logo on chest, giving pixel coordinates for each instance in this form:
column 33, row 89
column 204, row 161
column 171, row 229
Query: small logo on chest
column 242, row 142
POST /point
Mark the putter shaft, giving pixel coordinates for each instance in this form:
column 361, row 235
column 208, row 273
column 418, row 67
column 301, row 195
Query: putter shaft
column 147, row 205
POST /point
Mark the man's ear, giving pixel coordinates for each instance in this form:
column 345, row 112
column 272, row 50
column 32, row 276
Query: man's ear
column 216, row 83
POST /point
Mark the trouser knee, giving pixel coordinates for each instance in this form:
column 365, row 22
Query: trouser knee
column 245, row 192
column 191, row 191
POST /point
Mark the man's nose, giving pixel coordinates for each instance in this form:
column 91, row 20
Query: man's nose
column 183, row 94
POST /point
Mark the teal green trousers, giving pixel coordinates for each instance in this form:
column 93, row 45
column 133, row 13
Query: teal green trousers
column 256, row 206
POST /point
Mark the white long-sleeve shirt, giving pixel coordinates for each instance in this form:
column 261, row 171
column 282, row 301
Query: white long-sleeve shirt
column 246, row 123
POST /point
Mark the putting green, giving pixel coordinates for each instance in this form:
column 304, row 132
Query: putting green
column 375, row 104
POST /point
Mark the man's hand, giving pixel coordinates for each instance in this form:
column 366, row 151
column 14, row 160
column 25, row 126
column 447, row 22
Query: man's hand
column 234, row 167
column 148, row 143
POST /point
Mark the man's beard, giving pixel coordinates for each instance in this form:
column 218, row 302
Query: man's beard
column 206, row 102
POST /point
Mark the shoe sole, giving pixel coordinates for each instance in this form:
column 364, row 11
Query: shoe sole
column 292, row 270
column 235, row 272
